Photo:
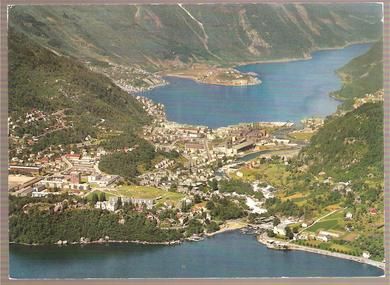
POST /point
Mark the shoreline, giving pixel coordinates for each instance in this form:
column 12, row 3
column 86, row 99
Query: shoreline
column 174, row 242
column 260, row 238
column 378, row 264
column 256, row 81
column 234, row 65
column 290, row 246
column 229, row 226
column 308, row 57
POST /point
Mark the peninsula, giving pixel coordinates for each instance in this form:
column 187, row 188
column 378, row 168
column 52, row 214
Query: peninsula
column 215, row 75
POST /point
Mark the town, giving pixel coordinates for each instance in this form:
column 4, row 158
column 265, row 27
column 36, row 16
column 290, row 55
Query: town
column 206, row 155
column 181, row 185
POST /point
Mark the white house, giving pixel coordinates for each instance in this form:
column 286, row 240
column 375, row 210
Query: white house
column 280, row 229
column 366, row 254
column 348, row 216
column 322, row 238
column 110, row 205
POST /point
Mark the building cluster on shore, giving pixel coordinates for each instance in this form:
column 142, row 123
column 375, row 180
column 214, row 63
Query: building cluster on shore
column 378, row 96
column 131, row 79
column 205, row 155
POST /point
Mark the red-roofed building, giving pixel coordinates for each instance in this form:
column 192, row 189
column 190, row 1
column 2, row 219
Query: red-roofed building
column 72, row 156
column 373, row 211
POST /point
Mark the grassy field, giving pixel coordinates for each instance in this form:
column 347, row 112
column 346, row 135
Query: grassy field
column 329, row 246
column 139, row 192
column 147, row 192
column 334, row 222
column 294, row 197
column 275, row 174
column 303, row 136
column 108, row 194
column 324, row 225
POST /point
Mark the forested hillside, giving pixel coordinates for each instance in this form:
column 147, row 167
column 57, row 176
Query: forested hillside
column 362, row 75
column 41, row 79
column 161, row 36
column 349, row 147
column 71, row 100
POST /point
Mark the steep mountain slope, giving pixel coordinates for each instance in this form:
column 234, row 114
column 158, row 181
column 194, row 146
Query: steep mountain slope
column 361, row 75
column 69, row 99
column 158, row 36
column 349, row 147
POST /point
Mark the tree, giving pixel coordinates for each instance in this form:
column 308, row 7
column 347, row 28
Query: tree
column 185, row 207
column 212, row 227
column 289, row 233
column 119, row 202
column 210, row 205
column 197, row 199
column 214, row 185
column 94, row 198
column 270, row 233
column 102, row 197
column 276, row 221
column 173, row 187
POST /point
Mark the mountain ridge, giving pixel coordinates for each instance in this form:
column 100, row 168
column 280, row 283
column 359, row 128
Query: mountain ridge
column 162, row 36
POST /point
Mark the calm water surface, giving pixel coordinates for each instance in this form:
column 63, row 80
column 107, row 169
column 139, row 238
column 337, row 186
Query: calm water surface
column 229, row 254
column 290, row 91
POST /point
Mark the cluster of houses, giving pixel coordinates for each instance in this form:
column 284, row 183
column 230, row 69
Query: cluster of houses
column 52, row 122
column 369, row 98
column 184, row 179
column 312, row 124
column 166, row 163
column 156, row 110
column 103, row 180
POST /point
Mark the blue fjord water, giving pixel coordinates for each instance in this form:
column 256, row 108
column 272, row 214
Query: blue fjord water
column 230, row 254
column 289, row 91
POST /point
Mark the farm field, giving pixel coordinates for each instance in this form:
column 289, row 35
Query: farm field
column 274, row 174
column 301, row 135
column 334, row 222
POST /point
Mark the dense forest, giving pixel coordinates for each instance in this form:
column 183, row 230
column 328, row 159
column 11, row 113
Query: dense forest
column 362, row 75
column 40, row 224
column 349, row 147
